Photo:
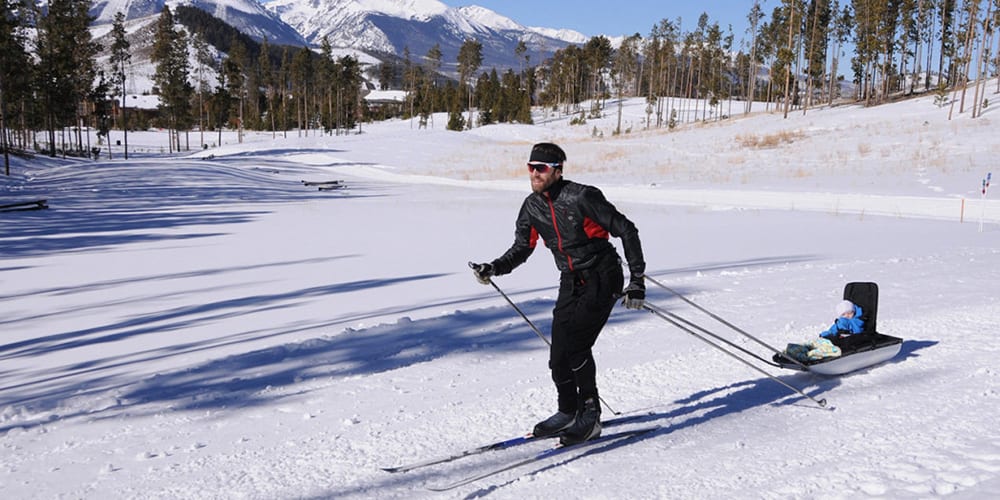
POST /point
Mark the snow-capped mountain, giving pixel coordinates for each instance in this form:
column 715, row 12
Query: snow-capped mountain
column 248, row 16
column 370, row 26
column 395, row 25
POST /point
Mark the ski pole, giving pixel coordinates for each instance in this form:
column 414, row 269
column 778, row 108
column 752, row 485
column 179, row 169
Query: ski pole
column 519, row 311
column 537, row 331
column 661, row 314
column 723, row 321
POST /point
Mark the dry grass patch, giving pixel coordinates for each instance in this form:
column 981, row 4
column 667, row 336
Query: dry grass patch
column 769, row 141
column 611, row 156
column 802, row 173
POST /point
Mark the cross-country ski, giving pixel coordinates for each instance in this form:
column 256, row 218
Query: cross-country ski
column 501, row 445
column 607, row 440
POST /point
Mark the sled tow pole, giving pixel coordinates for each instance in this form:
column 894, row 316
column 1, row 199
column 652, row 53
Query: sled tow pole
column 666, row 317
column 724, row 322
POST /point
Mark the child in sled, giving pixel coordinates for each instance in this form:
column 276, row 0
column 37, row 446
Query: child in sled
column 848, row 322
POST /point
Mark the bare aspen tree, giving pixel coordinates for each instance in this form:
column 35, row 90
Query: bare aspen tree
column 790, row 51
column 756, row 14
column 981, row 59
column 966, row 58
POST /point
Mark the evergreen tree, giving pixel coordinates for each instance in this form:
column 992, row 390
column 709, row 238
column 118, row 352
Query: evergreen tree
column 66, row 64
column 816, row 38
column 453, row 96
column 755, row 16
column 121, row 57
column 925, row 23
column 237, row 68
column 841, row 33
column 270, row 83
column 626, row 61
column 470, row 58
column 221, row 102
column 386, row 75
column 14, row 82
column 101, row 113
column 714, row 59
column 411, row 75
column 301, row 74
column 597, row 57
column 326, row 68
column 170, row 56
column 487, row 95
column 285, row 87
column 909, row 32
column 204, row 59
column 427, row 104
column 946, row 16
column 662, row 62
column 783, row 23
column 349, row 89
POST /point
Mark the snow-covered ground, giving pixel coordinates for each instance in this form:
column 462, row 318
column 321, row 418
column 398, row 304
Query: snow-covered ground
column 207, row 326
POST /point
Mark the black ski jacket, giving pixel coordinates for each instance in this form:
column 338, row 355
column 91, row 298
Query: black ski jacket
column 574, row 220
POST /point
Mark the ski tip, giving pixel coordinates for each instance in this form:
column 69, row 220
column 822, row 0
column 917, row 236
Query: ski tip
column 392, row 469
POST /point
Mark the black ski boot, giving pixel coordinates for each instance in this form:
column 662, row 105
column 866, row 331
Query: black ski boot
column 554, row 424
column 587, row 425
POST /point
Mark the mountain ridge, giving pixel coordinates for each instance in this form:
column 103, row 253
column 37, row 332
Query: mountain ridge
column 372, row 26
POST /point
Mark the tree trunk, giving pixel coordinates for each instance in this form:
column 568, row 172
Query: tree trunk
column 3, row 129
column 981, row 59
column 971, row 35
column 788, row 70
column 752, row 76
column 833, row 72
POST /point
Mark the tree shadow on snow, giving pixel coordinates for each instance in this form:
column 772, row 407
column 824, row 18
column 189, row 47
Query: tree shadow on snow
column 257, row 377
column 239, row 380
column 177, row 318
column 96, row 206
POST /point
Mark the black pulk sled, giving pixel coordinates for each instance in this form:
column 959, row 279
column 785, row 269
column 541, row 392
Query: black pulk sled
column 860, row 350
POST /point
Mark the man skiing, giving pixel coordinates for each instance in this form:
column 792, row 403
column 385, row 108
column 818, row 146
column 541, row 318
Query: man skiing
column 575, row 221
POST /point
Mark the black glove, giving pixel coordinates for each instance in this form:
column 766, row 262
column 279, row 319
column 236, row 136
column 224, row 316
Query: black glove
column 635, row 294
column 483, row 272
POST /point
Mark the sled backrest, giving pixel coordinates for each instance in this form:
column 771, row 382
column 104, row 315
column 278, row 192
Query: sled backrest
column 864, row 294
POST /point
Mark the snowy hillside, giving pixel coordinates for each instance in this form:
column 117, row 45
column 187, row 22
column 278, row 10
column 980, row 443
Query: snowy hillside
column 208, row 326
column 248, row 16
column 417, row 25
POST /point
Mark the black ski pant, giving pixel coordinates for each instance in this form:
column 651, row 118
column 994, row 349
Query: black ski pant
column 584, row 304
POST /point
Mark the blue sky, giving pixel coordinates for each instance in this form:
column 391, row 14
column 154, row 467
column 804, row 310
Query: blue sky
column 623, row 17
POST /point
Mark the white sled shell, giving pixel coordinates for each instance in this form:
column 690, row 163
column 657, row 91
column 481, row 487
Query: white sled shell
column 856, row 361
column 885, row 348
column 859, row 350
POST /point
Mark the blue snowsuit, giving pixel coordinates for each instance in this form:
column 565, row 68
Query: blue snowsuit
column 846, row 325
